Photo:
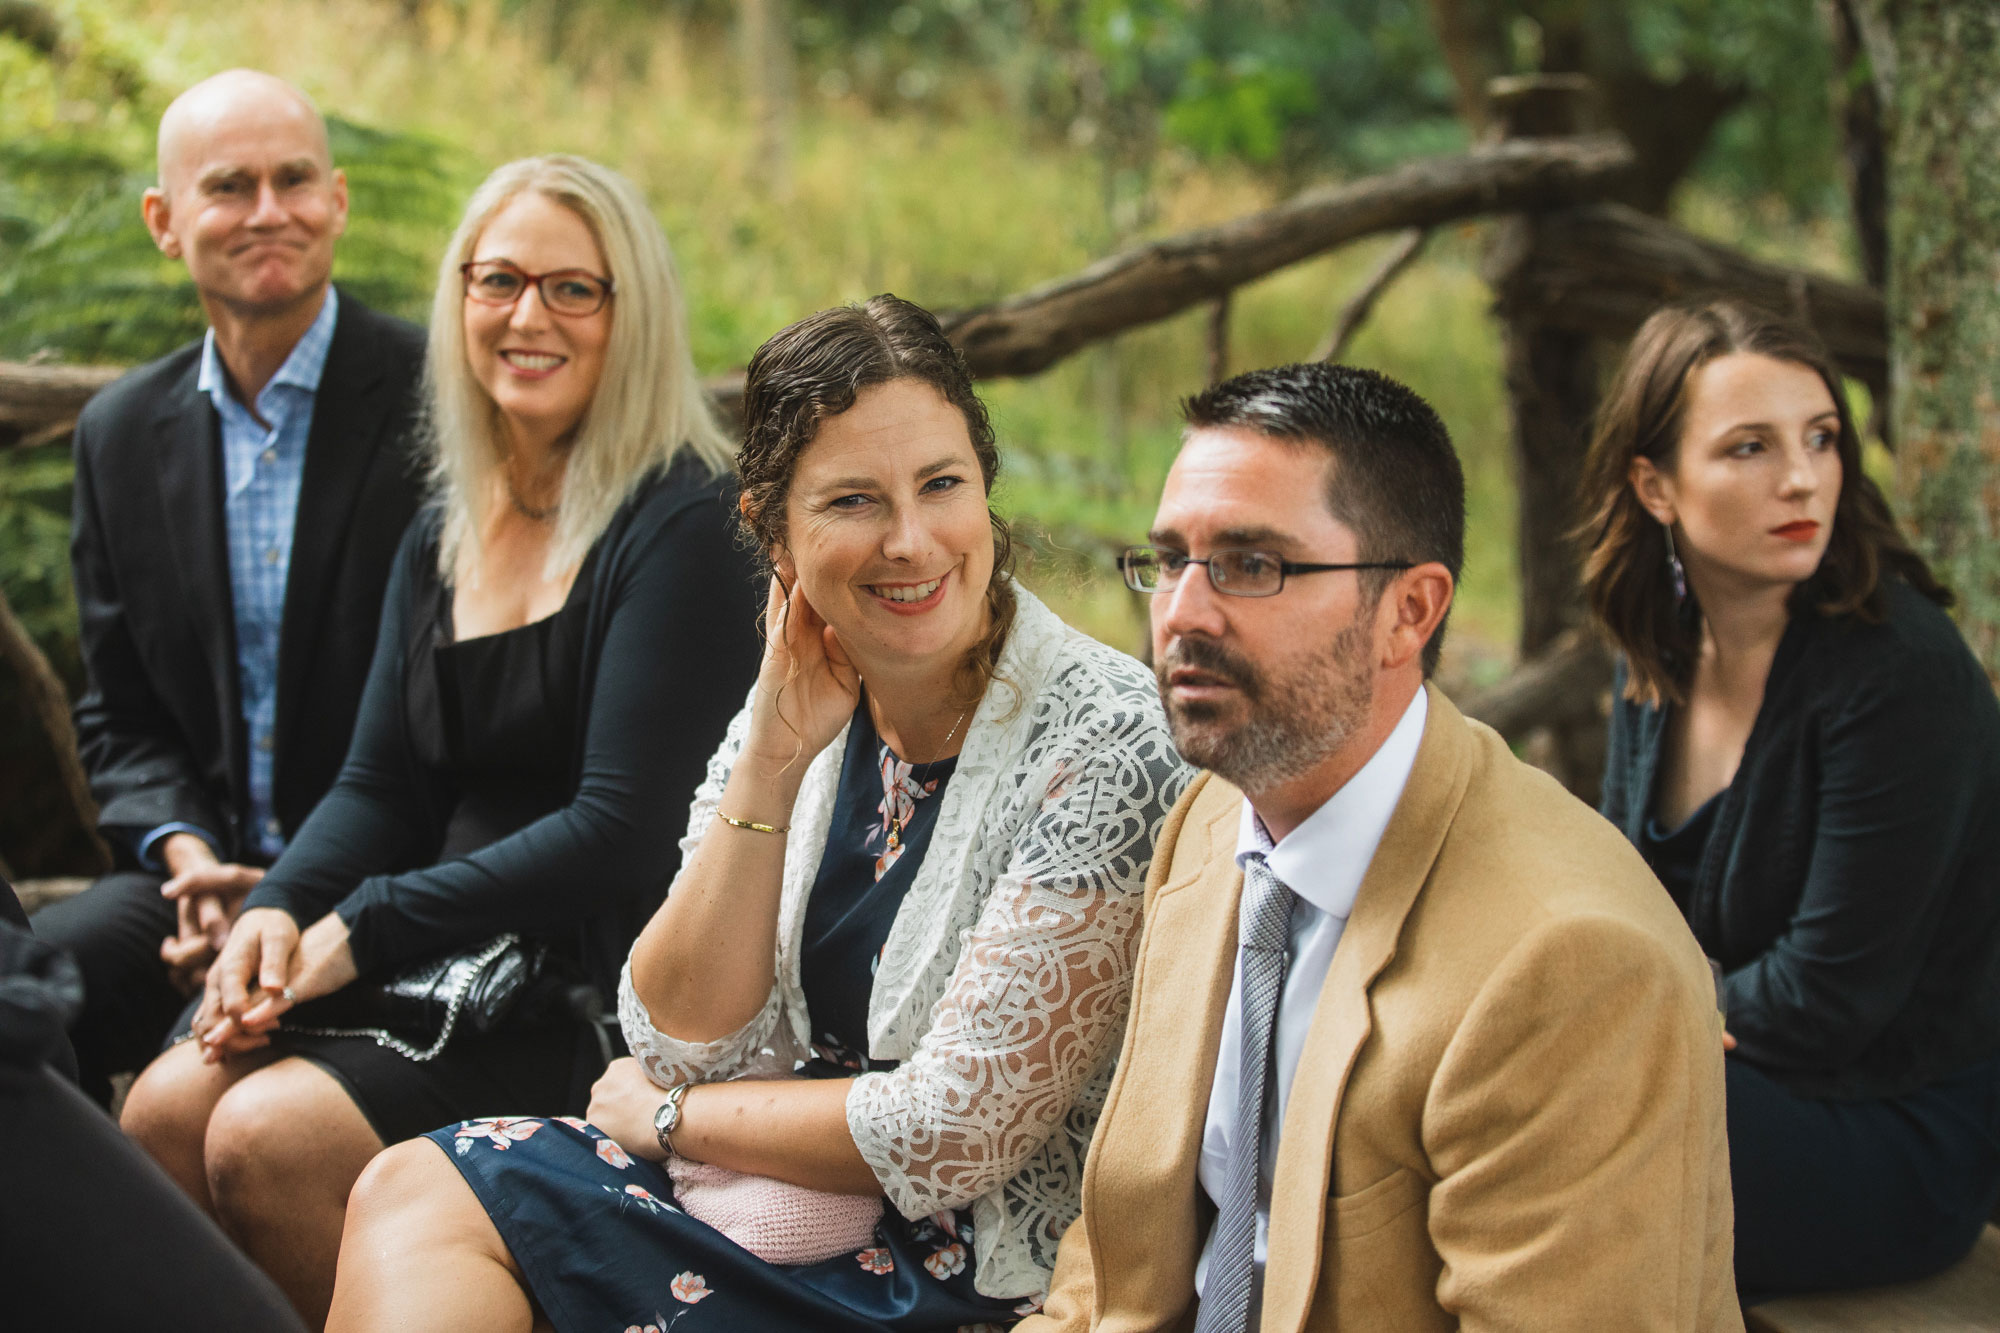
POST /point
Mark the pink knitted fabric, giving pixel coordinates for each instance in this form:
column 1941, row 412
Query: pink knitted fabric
column 777, row 1222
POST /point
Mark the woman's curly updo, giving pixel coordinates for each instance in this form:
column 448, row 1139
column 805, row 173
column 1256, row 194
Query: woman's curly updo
column 812, row 371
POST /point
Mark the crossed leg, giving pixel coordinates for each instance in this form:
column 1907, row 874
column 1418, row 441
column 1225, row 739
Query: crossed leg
column 420, row 1252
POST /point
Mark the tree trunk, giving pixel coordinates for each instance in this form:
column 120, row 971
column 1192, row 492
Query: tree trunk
column 1937, row 64
column 1667, row 121
column 767, row 62
column 48, row 823
column 1551, row 396
column 1474, row 43
column 1858, row 107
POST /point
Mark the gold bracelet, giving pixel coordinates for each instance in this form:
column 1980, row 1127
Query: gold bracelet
column 751, row 824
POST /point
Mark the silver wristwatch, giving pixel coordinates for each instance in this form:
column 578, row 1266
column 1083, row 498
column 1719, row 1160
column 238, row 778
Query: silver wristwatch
column 668, row 1118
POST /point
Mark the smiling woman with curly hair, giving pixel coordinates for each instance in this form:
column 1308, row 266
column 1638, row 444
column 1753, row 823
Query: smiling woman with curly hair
column 874, row 1023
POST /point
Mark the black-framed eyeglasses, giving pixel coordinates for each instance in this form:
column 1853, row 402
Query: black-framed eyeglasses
column 565, row 291
column 1233, row 572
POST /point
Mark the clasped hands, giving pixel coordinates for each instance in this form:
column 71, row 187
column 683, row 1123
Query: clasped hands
column 267, row 966
column 206, row 893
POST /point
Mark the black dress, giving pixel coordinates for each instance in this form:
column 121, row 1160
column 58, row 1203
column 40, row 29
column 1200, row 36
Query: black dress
column 1845, row 880
column 597, row 1232
column 495, row 716
column 527, row 782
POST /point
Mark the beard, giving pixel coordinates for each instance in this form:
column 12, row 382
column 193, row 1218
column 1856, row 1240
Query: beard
column 1286, row 722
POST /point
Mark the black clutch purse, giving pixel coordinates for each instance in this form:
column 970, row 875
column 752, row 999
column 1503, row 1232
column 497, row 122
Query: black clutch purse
column 416, row 1011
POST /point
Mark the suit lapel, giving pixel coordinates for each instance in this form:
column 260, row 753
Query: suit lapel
column 188, row 455
column 1340, row 1024
column 1168, row 1063
column 348, row 414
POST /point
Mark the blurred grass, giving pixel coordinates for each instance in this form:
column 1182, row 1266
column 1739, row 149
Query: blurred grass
column 948, row 209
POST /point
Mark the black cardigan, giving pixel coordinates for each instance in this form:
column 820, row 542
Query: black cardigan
column 671, row 647
column 1851, row 886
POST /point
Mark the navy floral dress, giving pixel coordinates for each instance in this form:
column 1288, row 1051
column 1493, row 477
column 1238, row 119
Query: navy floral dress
column 596, row 1230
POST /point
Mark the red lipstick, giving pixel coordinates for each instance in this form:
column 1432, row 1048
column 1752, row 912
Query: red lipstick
column 1801, row 530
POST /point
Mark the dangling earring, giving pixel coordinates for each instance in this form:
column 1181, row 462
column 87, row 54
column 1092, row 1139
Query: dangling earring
column 1674, row 566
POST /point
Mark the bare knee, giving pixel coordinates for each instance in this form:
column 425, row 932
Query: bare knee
column 403, row 1178
column 281, row 1142
column 411, row 1201
column 167, row 1111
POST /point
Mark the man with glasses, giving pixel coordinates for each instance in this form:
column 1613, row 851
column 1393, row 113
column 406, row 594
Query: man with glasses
column 238, row 503
column 1416, row 1041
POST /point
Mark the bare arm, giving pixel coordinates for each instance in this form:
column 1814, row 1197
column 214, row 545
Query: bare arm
column 705, row 964
column 793, row 1130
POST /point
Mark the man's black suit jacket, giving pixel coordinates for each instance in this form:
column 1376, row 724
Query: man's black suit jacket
column 160, row 726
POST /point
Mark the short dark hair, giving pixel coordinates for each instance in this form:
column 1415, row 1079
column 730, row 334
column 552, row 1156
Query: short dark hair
column 1396, row 480
column 1625, row 573
column 812, row 371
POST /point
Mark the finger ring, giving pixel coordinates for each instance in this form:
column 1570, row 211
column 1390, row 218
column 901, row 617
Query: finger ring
column 289, row 996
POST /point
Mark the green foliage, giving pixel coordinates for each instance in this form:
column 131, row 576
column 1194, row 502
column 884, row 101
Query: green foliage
column 1782, row 141
column 1240, row 109
column 34, row 533
column 954, row 151
column 81, row 279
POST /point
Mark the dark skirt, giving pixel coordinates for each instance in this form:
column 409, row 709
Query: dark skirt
column 529, row 1071
column 520, row 1071
column 603, row 1247
column 1836, row 1194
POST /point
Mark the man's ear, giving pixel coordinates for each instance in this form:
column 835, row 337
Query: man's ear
column 1654, row 489
column 339, row 180
column 1412, row 607
column 157, row 211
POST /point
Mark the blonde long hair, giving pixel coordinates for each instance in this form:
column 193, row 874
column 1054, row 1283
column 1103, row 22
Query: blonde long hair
column 649, row 404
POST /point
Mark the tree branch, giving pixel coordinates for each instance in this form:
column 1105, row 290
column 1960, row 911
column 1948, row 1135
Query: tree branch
column 1604, row 268
column 1218, row 338
column 1559, row 684
column 1027, row 333
column 1362, row 303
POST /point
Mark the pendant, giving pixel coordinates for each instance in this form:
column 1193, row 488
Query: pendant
column 894, row 841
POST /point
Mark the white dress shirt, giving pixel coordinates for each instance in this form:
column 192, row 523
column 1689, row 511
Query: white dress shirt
column 1322, row 862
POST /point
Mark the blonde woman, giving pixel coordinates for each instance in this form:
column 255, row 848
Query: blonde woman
column 563, row 638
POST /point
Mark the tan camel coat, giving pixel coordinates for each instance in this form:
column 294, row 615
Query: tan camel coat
column 1509, row 1113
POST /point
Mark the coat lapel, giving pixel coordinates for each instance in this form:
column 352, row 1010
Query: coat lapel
column 1341, row 1022
column 1146, row 1226
column 188, row 454
column 349, row 411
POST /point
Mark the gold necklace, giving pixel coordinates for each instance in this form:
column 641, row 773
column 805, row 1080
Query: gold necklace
column 896, row 824
column 522, row 507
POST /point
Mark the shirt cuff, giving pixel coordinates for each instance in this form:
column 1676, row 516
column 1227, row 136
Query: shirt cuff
column 151, row 841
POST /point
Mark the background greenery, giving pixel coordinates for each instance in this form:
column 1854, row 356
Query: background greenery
column 952, row 152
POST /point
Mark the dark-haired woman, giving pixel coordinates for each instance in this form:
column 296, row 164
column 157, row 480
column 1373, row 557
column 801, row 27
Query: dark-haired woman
column 1808, row 755
column 897, row 960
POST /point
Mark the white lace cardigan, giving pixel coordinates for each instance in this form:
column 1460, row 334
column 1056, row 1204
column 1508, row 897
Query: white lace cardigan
column 1004, row 984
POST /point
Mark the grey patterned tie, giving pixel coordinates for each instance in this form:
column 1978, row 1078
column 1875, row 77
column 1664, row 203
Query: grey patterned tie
column 1266, row 918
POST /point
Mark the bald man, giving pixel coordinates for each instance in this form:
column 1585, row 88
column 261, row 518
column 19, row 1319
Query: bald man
column 238, row 503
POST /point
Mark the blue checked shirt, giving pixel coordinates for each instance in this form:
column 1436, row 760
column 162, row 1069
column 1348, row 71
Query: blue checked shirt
column 261, row 472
